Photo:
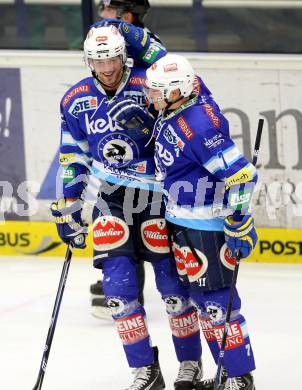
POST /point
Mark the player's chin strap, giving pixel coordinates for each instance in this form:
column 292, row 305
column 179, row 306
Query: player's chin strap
column 169, row 104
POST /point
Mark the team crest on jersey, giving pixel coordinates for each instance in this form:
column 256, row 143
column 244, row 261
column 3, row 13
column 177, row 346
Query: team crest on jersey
column 172, row 138
column 226, row 259
column 154, row 235
column 109, row 232
column 83, row 104
column 117, row 150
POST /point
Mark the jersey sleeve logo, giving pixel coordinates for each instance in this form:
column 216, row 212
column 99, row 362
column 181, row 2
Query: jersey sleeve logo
column 184, row 127
column 136, row 80
column 212, row 143
column 211, row 114
column 196, row 86
column 79, row 89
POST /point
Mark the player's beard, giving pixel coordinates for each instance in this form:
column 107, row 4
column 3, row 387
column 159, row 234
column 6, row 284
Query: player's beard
column 112, row 80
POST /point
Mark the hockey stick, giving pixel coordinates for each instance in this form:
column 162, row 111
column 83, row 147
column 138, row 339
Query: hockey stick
column 234, row 277
column 54, row 317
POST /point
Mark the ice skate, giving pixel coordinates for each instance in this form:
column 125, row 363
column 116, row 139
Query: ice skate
column 189, row 374
column 148, row 377
column 99, row 307
column 96, row 289
column 243, row 382
column 208, row 384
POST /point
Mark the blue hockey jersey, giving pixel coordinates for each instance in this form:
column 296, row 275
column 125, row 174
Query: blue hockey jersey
column 205, row 177
column 91, row 142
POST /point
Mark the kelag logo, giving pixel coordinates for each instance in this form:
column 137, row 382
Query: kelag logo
column 12, row 156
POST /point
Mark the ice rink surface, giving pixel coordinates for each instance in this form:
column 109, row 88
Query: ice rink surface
column 86, row 352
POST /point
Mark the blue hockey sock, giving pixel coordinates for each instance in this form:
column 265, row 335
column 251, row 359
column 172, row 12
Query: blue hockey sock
column 238, row 356
column 121, row 290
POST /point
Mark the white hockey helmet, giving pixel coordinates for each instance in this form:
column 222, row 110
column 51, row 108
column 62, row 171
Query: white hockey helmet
column 169, row 73
column 103, row 43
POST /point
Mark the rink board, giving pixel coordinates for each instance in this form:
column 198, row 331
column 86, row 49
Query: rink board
column 33, row 83
column 41, row 239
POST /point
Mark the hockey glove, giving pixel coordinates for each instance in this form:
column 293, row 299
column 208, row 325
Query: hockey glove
column 132, row 117
column 70, row 226
column 240, row 235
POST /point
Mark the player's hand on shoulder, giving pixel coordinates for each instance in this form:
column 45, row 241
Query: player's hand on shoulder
column 70, row 225
column 135, row 36
column 240, row 235
column 107, row 22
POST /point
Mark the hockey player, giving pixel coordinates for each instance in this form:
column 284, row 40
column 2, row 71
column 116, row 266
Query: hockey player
column 208, row 184
column 106, row 131
column 142, row 45
column 132, row 12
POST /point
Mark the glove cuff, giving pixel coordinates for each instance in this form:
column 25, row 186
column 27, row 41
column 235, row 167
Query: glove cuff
column 239, row 229
column 65, row 208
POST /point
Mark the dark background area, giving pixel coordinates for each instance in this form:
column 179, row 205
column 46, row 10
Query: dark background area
column 186, row 29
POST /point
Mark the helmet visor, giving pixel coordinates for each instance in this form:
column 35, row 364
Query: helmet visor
column 105, row 64
column 153, row 95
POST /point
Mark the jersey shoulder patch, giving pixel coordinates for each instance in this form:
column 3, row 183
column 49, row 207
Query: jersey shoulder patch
column 137, row 77
column 82, row 88
column 212, row 114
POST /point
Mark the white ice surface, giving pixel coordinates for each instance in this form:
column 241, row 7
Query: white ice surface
column 86, row 353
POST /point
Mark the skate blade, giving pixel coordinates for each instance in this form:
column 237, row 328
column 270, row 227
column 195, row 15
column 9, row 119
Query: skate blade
column 92, row 296
column 102, row 313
